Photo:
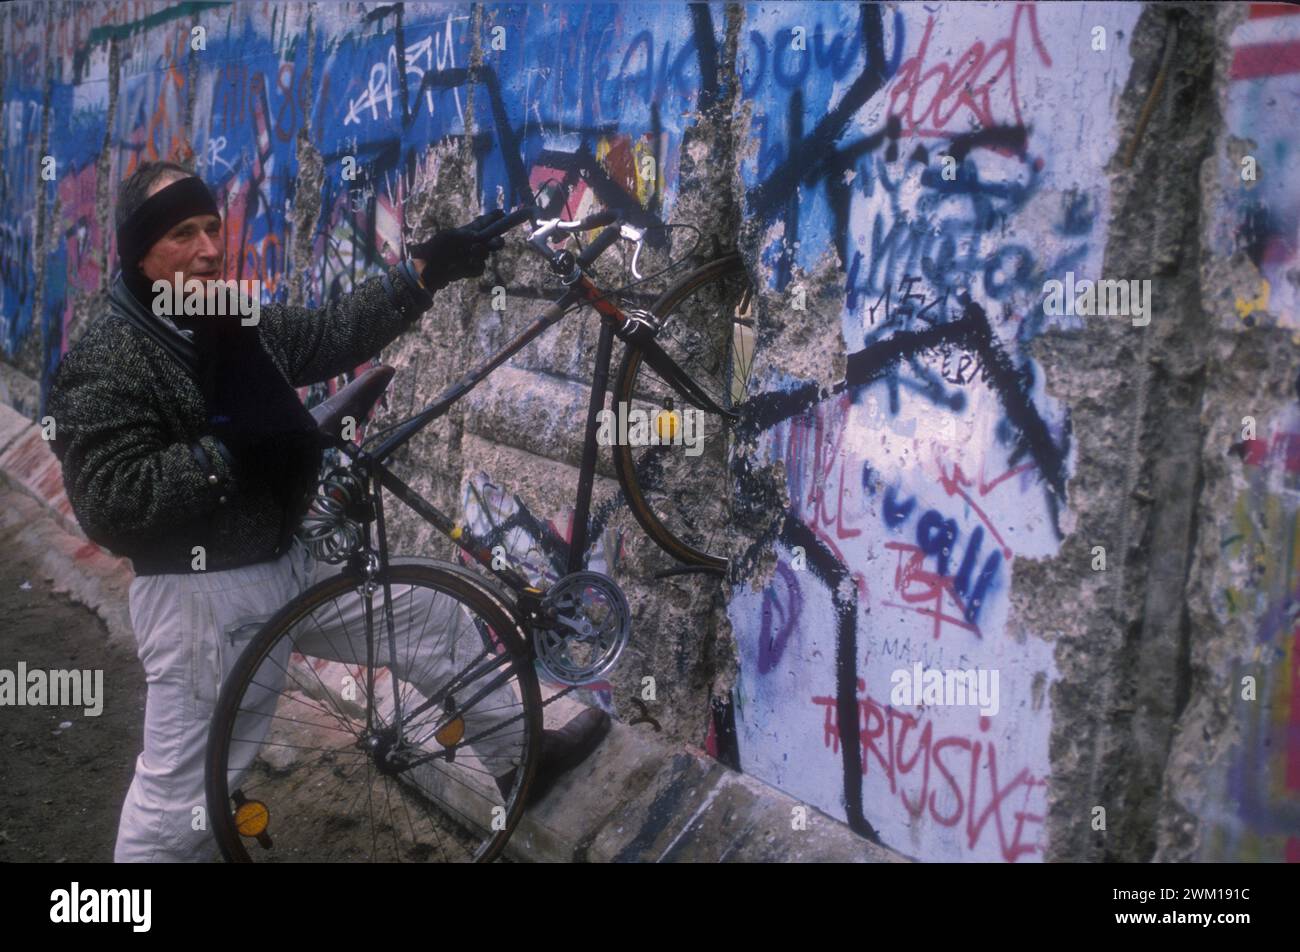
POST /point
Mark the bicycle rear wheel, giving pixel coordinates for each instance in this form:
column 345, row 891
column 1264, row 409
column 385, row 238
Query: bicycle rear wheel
column 305, row 758
column 681, row 495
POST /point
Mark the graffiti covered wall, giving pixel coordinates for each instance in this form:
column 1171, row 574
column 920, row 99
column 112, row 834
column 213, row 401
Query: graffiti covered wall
column 901, row 181
column 1244, row 744
column 915, row 489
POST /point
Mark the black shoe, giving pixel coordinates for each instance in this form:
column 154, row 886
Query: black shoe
column 562, row 750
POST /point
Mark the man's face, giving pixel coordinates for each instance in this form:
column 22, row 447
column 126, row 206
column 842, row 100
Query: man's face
column 195, row 247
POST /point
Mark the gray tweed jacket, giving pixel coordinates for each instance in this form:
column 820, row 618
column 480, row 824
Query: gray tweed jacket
column 145, row 477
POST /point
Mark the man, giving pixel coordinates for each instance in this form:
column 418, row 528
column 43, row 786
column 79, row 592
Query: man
column 187, row 431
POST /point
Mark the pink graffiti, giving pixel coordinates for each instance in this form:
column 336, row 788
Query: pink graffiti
column 827, row 457
column 928, row 99
column 885, row 735
column 814, row 458
column 956, row 483
column 77, row 198
column 932, row 587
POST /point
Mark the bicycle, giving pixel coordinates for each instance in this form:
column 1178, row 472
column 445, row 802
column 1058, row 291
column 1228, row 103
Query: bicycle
column 447, row 732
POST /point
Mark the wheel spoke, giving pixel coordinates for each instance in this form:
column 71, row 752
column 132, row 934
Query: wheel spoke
column 285, row 740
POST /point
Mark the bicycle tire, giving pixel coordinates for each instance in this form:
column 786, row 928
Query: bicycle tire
column 668, row 506
column 464, row 825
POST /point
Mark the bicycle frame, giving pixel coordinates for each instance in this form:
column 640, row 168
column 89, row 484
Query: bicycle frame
column 614, row 322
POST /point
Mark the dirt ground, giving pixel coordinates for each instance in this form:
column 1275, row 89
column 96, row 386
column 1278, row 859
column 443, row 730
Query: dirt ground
column 62, row 788
column 61, row 791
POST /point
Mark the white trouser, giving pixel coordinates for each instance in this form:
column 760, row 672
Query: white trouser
column 189, row 632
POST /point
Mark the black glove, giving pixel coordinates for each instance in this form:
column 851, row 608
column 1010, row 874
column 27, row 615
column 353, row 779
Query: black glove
column 456, row 253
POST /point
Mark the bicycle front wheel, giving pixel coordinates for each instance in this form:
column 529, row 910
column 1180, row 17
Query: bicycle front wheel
column 675, row 470
column 340, row 737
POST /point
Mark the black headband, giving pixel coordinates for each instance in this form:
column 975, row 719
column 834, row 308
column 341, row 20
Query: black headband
column 161, row 212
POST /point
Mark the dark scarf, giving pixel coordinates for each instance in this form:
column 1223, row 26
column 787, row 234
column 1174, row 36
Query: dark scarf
column 251, row 407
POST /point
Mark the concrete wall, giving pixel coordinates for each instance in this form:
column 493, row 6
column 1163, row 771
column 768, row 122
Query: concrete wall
column 916, row 492
column 932, row 461
column 1233, row 787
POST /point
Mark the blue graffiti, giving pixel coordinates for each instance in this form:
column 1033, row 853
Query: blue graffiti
column 936, row 537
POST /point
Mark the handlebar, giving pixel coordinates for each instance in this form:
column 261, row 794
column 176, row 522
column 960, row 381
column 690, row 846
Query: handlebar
column 517, row 217
column 544, row 230
column 599, row 245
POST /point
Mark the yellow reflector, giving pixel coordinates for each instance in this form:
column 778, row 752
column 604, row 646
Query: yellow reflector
column 666, row 423
column 252, row 817
column 457, row 532
column 451, row 733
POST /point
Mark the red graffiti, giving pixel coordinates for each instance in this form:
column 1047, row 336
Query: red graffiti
column 903, row 746
column 166, row 125
column 241, row 92
column 928, row 99
column 243, row 260
column 295, row 97
column 814, row 458
column 828, row 438
column 244, row 200
column 956, row 483
column 81, row 228
column 73, row 25
column 1278, row 57
column 1283, row 449
column 238, row 89
column 932, row 588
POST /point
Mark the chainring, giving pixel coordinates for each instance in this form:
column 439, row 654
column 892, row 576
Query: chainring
column 593, row 623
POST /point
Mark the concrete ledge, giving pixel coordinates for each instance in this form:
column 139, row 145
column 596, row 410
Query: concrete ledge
column 28, row 462
column 637, row 800
column 36, row 516
column 78, row 568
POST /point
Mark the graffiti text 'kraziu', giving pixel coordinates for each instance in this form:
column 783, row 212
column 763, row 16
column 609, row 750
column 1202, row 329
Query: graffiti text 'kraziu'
column 957, row 775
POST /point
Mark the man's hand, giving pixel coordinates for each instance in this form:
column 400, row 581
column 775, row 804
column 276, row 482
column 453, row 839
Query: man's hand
column 456, row 253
